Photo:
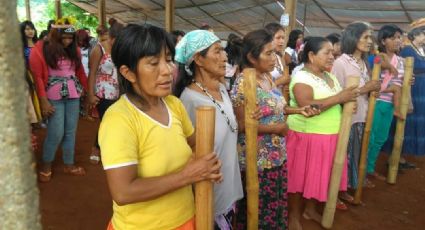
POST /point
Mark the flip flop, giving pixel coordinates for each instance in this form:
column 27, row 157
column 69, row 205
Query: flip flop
column 44, row 176
column 340, row 205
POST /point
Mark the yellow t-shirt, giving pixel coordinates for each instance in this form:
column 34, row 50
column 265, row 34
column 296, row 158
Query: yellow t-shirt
column 127, row 136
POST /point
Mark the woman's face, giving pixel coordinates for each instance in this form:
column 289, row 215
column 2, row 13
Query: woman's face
column 392, row 44
column 214, row 61
column 365, row 42
column 324, row 58
column 267, row 59
column 29, row 32
column 420, row 39
column 154, row 74
column 67, row 39
column 279, row 40
column 337, row 50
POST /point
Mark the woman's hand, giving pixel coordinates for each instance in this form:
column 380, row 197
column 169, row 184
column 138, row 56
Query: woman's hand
column 281, row 129
column 373, row 85
column 310, row 111
column 204, row 168
column 257, row 114
column 92, row 100
column 349, row 94
column 47, row 109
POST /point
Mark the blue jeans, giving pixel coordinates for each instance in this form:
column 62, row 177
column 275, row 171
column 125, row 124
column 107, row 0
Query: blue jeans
column 62, row 126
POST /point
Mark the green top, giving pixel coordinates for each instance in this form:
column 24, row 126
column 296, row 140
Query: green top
column 327, row 122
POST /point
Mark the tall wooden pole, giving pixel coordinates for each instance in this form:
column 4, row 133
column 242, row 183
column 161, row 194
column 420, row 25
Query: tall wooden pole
column 169, row 15
column 19, row 196
column 251, row 128
column 399, row 131
column 101, row 8
column 58, row 9
column 290, row 9
column 28, row 10
column 205, row 131
column 366, row 135
column 339, row 160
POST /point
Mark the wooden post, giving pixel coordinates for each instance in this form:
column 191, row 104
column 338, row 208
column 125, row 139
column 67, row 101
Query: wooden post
column 339, row 160
column 366, row 134
column 399, row 131
column 58, row 9
column 251, row 126
column 101, row 8
column 290, row 9
column 285, row 89
column 19, row 195
column 205, row 131
column 169, row 15
column 28, row 9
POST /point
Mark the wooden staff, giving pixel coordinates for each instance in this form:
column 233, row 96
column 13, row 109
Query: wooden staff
column 399, row 131
column 250, row 89
column 376, row 72
column 205, row 131
column 285, row 90
column 339, row 160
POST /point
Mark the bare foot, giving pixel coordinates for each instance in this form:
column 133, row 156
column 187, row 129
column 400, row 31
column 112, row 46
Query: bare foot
column 311, row 214
column 377, row 176
column 294, row 224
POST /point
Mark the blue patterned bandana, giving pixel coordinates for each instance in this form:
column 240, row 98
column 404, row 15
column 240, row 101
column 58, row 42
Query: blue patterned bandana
column 192, row 43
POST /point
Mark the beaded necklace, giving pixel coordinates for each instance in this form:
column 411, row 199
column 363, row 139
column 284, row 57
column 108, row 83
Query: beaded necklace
column 233, row 129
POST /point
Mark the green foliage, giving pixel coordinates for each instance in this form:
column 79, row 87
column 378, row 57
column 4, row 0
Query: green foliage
column 44, row 10
column 83, row 18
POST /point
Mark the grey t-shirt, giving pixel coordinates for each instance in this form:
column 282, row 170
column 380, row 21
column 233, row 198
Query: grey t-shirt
column 230, row 190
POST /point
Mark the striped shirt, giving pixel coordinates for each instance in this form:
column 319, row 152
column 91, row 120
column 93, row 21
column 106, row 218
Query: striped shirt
column 388, row 79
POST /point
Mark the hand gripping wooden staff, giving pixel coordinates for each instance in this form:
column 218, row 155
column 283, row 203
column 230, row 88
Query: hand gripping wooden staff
column 340, row 155
column 251, row 126
column 366, row 135
column 205, row 131
column 399, row 130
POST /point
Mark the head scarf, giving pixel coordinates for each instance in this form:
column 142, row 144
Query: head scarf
column 192, row 43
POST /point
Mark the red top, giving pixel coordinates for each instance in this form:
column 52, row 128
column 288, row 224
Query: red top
column 40, row 71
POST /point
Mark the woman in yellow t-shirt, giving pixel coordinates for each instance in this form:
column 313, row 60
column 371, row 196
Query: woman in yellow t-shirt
column 146, row 139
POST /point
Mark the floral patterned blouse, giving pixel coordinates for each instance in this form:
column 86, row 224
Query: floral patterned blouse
column 271, row 147
column 107, row 86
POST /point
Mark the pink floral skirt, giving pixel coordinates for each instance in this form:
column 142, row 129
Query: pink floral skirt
column 310, row 159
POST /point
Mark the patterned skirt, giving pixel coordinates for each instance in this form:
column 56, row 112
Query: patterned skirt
column 354, row 150
column 273, row 200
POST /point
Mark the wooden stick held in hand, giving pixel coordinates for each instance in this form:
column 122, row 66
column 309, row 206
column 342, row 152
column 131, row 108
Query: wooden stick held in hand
column 251, row 126
column 339, row 160
column 205, row 131
column 399, row 131
column 366, row 135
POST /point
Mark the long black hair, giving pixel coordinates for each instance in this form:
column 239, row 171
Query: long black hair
column 314, row 44
column 293, row 37
column 22, row 27
column 234, row 49
column 135, row 42
column 253, row 44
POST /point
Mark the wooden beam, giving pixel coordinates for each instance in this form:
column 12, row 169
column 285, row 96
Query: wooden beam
column 305, row 17
column 291, row 9
column 327, row 14
column 28, row 10
column 405, row 12
column 169, row 15
column 101, row 10
column 219, row 21
column 58, row 10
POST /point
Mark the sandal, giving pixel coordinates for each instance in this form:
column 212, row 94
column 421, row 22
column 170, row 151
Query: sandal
column 74, row 170
column 346, row 197
column 44, row 176
column 94, row 156
column 369, row 184
column 341, row 205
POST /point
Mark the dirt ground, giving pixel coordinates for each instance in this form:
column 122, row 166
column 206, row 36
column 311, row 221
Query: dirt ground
column 74, row 203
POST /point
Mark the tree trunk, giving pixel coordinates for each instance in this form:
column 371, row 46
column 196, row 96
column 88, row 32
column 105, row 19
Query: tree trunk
column 18, row 189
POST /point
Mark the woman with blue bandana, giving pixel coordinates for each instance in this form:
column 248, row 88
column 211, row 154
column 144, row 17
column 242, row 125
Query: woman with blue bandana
column 203, row 65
